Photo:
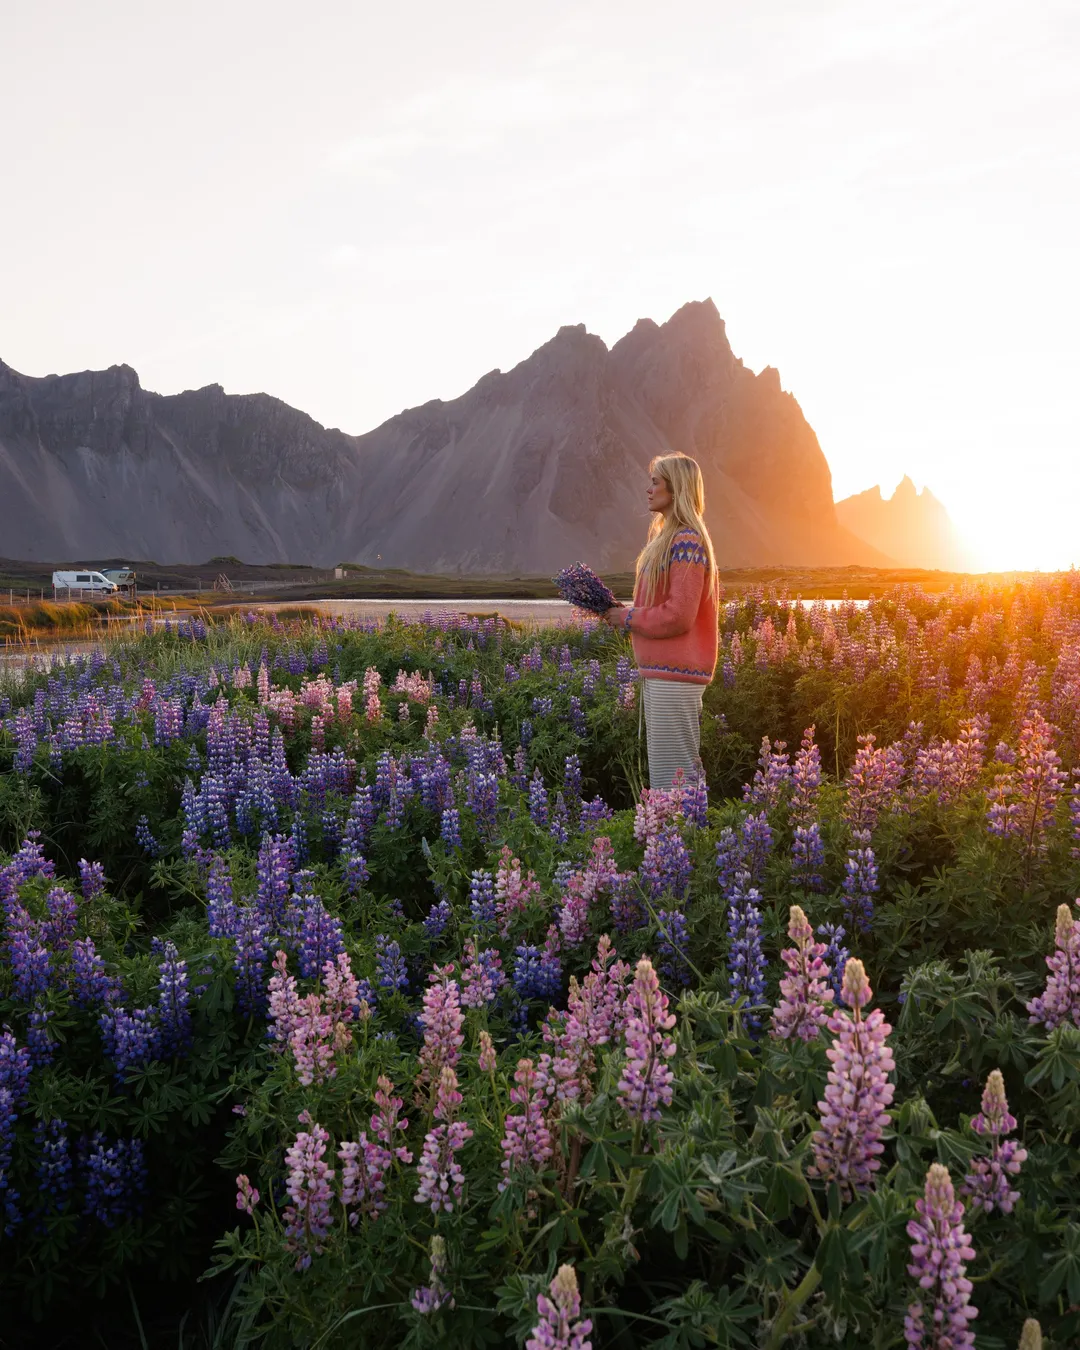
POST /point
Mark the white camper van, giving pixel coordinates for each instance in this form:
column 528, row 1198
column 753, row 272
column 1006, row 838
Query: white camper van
column 83, row 581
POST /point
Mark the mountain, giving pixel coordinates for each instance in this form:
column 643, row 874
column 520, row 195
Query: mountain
column 912, row 527
column 528, row 470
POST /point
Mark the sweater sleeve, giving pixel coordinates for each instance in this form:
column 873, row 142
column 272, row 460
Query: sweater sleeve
column 687, row 570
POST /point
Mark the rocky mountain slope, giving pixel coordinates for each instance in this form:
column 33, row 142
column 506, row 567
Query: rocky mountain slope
column 912, row 527
column 527, row 470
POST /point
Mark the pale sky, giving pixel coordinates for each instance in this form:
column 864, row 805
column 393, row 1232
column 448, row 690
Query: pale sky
column 360, row 207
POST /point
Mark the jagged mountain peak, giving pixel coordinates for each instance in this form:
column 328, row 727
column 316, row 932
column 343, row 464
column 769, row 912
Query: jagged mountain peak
column 530, row 467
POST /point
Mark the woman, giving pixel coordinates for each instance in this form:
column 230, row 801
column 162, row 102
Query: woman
column 672, row 622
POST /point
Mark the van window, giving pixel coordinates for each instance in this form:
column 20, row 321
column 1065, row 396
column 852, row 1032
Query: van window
column 83, row 576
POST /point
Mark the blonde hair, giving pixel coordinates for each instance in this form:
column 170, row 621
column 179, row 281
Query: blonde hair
column 686, row 512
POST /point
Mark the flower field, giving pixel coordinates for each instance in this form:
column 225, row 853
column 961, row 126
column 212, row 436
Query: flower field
column 354, row 992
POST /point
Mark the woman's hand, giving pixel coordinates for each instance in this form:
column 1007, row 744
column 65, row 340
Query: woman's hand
column 614, row 616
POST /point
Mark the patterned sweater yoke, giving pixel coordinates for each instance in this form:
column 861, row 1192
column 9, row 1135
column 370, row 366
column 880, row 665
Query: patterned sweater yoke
column 675, row 638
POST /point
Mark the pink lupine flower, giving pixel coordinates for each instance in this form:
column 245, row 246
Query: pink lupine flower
column 386, row 1124
column 512, row 891
column 559, row 1310
column 481, row 976
column 854, row 1111
column 441, row 1179
column 339, row 988
column 646, row 1081
column 372, row 701
column 432, row 721
column 308, row 1218
column 940, row 1249
column 574, row 912
column 429, row 1298
column 262, row 685
column 656, row 807
column 247, row 1197
column 1060, row 1000
column 442, row 1020
column 318, row 731
column 987, row 1185
column 284, row 1002
column 1023, row 799
column 486, row 1061
column 363, row 1178
column 311, row 1042
column 344, row 700
column 526, row 1142
column 804, row 990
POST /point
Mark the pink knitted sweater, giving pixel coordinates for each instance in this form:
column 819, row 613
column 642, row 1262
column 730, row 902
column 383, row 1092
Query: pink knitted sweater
column 676, row 637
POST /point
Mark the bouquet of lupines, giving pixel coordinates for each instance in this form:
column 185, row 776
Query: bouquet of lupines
column 579, row 585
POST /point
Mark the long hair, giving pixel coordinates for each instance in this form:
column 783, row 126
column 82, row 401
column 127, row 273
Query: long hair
column 687, row 512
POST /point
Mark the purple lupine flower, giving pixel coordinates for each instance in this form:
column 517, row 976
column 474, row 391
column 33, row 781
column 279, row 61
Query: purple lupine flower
column 835, row 957
column 273, row 880
column 572, row 782
column 442, row 1020
column 695, row 799
column 746, row 956
column 538, row 800
column 860, row 882
column 940, row 1249
column 580, row 586
column 482, row 898
column 595, row 811
column 252, row 950
column 574, row 912
column 308, row 1219
column 805, row 780
column 59, row 928
column 451, row 827
column 526, row 1141
column 646, row 1081
column 92, row 879
column 666, row 866
column 729, row 859
column 757, row 843
column 31, row 961
column 320, row 937
column 772, row 779
column 442, row 1180
column 220, row 907
column 42, row 1049
column 807, row 856
column 438, row 916
column 627, row 910
column 872, row 782
column 174, row 999
column 390, row 972
column 559, row 1327
column 855, row 1108
column 115, row 1177
column 54, row 1166
column 1060, row 1000
column 89, row 982
column 537, row 972
column 988, row 1183
column 144, row 837
column 805, row 996
column 559, row 829
column 673, row 941
column 355, row 872
column 130, row 1038
column 429, row 1298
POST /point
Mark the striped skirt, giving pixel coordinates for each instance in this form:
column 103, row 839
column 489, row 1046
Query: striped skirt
column 672, row 728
